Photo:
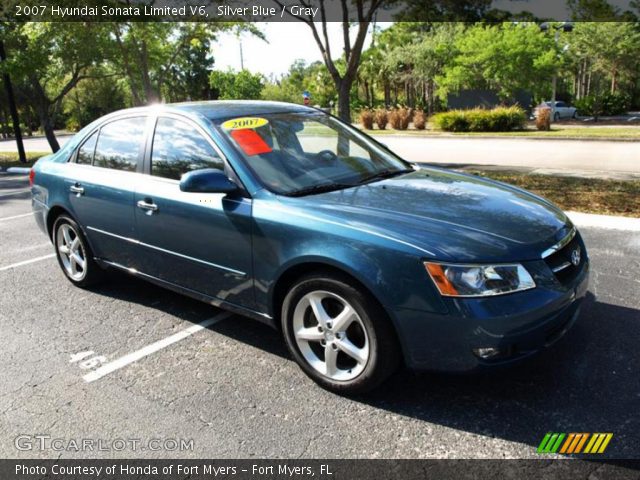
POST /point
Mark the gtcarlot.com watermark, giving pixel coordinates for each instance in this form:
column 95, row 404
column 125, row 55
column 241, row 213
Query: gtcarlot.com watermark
column 27, row 442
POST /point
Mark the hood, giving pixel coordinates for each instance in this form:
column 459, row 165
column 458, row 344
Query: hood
column 454, row 216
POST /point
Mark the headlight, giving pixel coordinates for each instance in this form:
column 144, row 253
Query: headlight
column 479, row 280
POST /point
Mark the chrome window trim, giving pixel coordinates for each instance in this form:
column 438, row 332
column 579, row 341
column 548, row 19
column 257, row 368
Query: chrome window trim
column 193, row 259
column 558, row 246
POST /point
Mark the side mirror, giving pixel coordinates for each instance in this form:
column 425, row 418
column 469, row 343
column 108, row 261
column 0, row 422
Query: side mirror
column 207, row 180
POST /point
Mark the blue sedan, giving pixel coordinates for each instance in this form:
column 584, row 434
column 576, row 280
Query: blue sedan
column 285, row 214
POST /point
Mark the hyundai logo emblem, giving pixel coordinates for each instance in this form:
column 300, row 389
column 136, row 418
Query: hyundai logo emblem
column 575, row 257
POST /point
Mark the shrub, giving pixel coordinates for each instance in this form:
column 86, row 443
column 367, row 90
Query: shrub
column 500, row 119
column 366, row 119
column 603, row 104
column 419, row 120
column 382, row 118
column 543, row 117
column 400, row 118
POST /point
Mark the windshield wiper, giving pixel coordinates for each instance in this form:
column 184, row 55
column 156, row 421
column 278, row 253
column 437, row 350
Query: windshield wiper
column 388, row 173
column 320, row 188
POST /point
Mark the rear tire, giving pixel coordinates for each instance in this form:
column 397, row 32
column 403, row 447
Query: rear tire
column 74, row 254
column 556, row 117
column 339, row 335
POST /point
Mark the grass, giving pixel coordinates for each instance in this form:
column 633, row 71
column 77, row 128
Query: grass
column 568, row 132
column 605, row 197
column 10, row 159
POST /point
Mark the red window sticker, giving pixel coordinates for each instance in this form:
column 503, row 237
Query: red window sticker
column 250, row 142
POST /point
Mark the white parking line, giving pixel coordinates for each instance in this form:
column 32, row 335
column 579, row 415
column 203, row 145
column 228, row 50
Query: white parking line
column 149, row 349
column 611, row 222
column 27, row 262
column 14, row 192
column 17, row 216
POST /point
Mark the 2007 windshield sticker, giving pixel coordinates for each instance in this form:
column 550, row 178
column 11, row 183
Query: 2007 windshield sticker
column 244, row 122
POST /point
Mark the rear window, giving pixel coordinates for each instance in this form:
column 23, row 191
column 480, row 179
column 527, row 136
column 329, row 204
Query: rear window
column 119, row 144
column 85, row 154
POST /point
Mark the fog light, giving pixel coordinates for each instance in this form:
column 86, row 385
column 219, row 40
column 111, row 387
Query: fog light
column 486, row 352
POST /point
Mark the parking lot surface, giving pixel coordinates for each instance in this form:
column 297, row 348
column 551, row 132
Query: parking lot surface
column 128, row 360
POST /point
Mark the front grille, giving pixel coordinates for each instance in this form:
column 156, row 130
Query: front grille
column 561, row 262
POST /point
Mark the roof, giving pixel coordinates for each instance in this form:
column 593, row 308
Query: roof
column 238, row 108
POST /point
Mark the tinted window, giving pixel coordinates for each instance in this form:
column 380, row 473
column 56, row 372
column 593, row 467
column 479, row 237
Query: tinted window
column 179, row 148
column 85, row 154
column 119, row 144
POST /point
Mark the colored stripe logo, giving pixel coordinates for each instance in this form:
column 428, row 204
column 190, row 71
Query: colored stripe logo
column 573, row 443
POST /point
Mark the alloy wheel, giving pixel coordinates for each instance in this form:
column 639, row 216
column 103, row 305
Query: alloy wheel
column 331, row 335
column 71, row 252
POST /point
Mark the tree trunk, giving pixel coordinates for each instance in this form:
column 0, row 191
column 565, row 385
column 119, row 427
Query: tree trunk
column 13, row 109
column 367, row 99
column 344, row 101
column 387, row 94
column 47, row 126
column 614, row 80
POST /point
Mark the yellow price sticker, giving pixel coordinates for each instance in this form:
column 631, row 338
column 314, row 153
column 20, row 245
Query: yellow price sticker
column 244, row 122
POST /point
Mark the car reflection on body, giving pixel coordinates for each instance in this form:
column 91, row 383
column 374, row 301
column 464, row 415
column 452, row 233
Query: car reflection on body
column 287, row 215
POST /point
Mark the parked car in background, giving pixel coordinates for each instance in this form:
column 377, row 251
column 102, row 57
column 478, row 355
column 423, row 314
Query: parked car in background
column 560, row 110
column 285, row 214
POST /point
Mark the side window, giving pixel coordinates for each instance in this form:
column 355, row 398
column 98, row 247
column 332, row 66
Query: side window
column 179, row 148
column 119, row 144
column 85, row 154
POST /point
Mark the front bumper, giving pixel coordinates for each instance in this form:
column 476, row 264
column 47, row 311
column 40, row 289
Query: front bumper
column 518, row 325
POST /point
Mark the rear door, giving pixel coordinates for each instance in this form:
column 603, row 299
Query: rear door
column 101, row 180
column 200, row 241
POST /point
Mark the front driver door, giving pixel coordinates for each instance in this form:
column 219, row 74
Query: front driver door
column 200, row 241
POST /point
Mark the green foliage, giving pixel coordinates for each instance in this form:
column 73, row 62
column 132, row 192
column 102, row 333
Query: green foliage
column 301, row 77
column 501, row 119
column 505, row 58
column 603, row 104
column 91, row 99
column 242, row 85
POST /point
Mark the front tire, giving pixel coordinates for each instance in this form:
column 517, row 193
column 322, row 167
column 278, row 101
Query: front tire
column 74, row 254
column 340, row 336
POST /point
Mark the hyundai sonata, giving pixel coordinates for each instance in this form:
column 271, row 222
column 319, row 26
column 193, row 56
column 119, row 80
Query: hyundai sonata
column 285, row 214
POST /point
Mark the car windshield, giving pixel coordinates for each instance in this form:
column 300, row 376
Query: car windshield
column 300, row 154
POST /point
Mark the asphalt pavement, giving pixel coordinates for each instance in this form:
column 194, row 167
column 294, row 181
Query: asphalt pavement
column 129, row 361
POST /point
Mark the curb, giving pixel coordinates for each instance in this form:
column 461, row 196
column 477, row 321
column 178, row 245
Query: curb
column 498, row 137
column 610, row 222
column 18, row 170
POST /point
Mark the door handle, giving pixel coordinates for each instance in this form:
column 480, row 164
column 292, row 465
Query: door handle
column 77, row 189
column 148, row 206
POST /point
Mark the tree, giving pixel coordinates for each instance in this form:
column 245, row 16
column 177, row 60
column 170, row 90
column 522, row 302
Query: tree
column 152, row 54
column 243, row 85
column 505, row 58
column 343, row 79
column 608, row 49
column 48, row 60
column 8, row 87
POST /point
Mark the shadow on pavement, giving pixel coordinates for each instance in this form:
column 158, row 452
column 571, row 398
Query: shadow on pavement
column 587, row 382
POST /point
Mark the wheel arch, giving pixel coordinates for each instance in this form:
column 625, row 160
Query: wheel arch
column 55, row 212
column 52, row 216
column 292, row 273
